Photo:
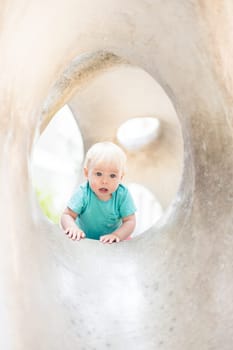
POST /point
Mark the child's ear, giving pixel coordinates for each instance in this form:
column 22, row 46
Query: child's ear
column 85, row 170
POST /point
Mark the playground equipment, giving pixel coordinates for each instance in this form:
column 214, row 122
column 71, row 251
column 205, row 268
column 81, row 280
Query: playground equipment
column 171, row 287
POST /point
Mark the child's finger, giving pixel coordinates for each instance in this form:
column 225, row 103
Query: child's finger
column 75, row 237
column 67, row 231
column 82, row 234
column 109, row 239
column 71, row 235
column 79, row 235
column 114, row 239
column 102, row 239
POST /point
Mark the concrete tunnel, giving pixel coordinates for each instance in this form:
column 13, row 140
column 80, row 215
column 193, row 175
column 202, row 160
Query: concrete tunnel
column 171, row 287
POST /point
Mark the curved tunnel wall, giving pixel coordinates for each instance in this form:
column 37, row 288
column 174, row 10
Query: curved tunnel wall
column 103, row 92
column 170, row 288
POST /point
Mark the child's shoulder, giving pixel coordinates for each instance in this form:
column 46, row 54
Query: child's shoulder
column 82, row 188
column 122, row 189
column 84, row 185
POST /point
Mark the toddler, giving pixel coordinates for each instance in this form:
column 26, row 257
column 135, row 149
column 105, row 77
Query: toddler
column 101, row 208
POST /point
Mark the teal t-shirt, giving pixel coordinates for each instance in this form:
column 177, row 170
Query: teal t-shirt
column 96, row 217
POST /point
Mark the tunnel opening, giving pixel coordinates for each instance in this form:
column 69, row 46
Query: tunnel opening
column 103, row 107
column 56, row 159
column 136, row 133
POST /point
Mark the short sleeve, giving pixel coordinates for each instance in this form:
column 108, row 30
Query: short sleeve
column 77, row 201
column 127, row 206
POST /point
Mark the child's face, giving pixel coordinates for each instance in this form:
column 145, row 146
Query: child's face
column 104, row 179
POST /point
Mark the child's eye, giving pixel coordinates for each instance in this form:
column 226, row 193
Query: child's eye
column 98, row 173
column 113, row 176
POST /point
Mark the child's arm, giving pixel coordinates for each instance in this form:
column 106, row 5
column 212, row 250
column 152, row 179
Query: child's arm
column 69, row 226
column 123, row 232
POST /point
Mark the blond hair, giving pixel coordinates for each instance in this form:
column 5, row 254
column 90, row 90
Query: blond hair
column 107, row 152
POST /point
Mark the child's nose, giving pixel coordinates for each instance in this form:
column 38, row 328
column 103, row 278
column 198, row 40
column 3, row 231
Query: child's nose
column 104, row 179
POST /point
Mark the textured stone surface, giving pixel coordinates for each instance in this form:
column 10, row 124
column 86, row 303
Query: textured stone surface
column 172, row 287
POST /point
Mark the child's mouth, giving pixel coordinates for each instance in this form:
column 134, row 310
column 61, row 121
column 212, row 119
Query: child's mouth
column 103, row 190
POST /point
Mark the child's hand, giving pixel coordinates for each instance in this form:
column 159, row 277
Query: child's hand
column 74, row 233
column 110, row 238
